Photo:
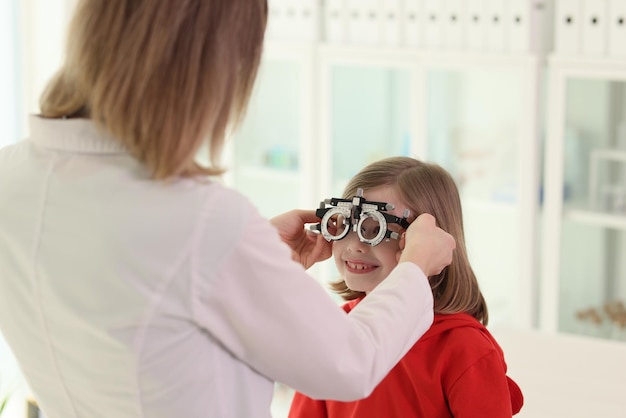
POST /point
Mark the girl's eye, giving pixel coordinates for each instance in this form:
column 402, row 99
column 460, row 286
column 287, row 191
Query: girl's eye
column 336, row 225
column 370, row 228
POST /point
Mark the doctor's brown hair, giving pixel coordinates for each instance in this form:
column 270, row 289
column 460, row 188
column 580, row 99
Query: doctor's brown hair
column 161, row 76
column 427, row 188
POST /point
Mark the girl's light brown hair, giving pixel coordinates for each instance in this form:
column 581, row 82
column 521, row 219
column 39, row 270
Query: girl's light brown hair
column 161, row 76
column 427, row 188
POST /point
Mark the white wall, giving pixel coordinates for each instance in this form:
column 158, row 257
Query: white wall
column 32, row 37
column 42, row 32
column 9, row 123
column 565, row 376
column 8, row 73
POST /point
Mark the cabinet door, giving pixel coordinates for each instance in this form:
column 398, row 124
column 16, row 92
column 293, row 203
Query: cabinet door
column 369, row 119
column 479, row 126
column 365, row 105
column 474, row 117
column 267, row 150
column 585, row 265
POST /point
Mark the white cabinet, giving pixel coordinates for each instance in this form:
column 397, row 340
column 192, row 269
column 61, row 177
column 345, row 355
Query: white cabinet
column 481, row 124
column 473, row 113
column 584, row 220
column 365, row 100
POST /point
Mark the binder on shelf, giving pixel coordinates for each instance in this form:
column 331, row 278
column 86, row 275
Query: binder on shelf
column 306, row 24
column 476, row 18
column 335, row 21
column 594, row 27
column 568, row 26
column 433, row 28
column 413, row 23
column 496, row 25
column 616, row 42
column 275, row 19
column 530, row 26
column 391, row 24
column 454, row 23
column 518, row 18
column 363, row 22
column 297, row 20
column 290, row 24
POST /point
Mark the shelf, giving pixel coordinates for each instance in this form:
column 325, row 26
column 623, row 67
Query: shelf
column 487, row 205
column 602, row 68
column 586, row 62
column 269, row 174
column 432, row 59
column 596, row 218
column 610, row 154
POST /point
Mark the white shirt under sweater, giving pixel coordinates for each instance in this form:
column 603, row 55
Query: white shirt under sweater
column 124, row 297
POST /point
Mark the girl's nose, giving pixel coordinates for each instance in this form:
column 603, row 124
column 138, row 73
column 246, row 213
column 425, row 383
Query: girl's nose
column 355, row 244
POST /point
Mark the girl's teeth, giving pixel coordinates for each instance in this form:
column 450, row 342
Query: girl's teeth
column 357, row 266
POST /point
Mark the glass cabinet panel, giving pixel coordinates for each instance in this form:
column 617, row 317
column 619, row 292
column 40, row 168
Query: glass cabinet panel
column 592, row 284
column 369, row 120
column 266, row 147
column 475, row 121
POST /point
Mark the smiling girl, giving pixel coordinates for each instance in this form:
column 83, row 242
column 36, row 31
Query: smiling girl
column 456, row 369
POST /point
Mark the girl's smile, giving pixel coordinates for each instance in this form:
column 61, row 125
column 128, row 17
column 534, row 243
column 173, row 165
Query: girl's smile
column 359, row 267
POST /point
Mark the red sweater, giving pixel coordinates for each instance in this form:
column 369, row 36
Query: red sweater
column 456, row 369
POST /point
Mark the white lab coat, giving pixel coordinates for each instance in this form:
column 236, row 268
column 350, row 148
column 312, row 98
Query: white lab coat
column 125, row 297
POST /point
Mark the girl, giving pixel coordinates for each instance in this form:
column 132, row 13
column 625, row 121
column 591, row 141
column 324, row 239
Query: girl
column 456, row 369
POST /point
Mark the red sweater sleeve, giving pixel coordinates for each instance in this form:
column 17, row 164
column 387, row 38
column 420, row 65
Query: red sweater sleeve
column 305, row 407
column 482, row 391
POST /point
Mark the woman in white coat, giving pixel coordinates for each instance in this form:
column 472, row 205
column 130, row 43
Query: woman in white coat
column 132, row 285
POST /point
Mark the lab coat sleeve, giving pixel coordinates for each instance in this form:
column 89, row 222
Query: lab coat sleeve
column 270, row 314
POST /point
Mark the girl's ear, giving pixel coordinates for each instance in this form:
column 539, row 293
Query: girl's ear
column 401, row 243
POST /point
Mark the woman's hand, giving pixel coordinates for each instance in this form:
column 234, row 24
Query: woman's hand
column 427, row 245
column 307, row 247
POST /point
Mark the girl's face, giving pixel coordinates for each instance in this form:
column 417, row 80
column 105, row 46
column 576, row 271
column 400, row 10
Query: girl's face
column 362, row 266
